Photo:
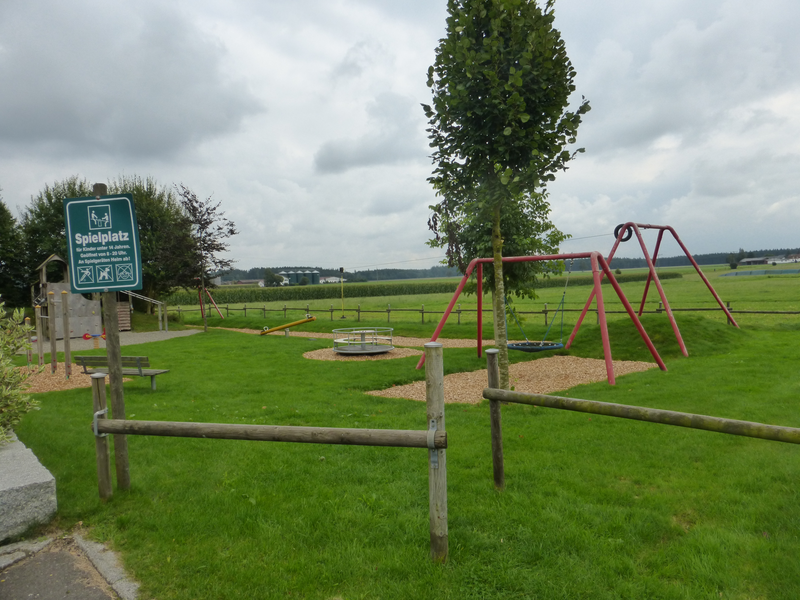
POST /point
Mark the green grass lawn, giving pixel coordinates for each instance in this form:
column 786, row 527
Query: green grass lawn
column 595, row 507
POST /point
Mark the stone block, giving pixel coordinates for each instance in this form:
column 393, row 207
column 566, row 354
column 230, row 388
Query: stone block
column 27, row 490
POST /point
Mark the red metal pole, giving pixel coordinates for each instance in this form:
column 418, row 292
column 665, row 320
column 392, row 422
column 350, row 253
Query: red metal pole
column 601, row 314
column 660, row 289
column 200, row 297
column 615, row 284
column 450, row 306
column 702, row 276
column 650, row 275
column 215, row 304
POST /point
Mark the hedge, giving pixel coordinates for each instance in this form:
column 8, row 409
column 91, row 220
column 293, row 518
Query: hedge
column 224, row 295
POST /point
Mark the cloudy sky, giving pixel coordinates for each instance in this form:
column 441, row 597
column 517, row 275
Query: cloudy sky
column 303, row 118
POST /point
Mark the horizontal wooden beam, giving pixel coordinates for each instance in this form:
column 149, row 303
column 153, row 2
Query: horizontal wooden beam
column 276, row 433
column 762, row 431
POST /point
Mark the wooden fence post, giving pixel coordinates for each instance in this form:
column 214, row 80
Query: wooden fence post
column 51, row 328
column 67, row 331
column 39, row 340
column 166, row 318
column 359, row 313
column 423, row 313
column 459, row 314
column 101, row 440
column 29, row 350
column 437, row 459
column 498, row 468
column 545, row 314
column 388, row 313
column 115, row 381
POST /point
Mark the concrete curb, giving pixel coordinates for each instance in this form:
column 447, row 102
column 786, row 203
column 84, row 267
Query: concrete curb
column 108, row 565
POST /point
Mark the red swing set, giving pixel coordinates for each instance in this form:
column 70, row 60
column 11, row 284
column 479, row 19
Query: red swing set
column 600, row 267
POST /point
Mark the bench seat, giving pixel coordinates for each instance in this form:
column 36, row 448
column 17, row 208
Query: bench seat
column 132, row 366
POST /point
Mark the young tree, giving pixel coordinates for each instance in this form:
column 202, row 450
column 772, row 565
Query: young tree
column 13, row 403
column 13, row 279
column 500, row 125
column 210, row 229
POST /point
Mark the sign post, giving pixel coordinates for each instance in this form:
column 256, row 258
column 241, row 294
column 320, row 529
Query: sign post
column 105, row 256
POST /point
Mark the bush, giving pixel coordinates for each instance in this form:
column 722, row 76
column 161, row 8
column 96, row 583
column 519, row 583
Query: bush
column 13, row 403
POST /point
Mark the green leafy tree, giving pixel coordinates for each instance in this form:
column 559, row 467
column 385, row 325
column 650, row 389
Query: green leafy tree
column 13, row 279
column 169, row 257
column 210, row 229
column 271, row 278
column 499, row 123
column 43, row 226
column 13, row 403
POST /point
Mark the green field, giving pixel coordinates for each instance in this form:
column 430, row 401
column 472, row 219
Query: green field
column 595, row 507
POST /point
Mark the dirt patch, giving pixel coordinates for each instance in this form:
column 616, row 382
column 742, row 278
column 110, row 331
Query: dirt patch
column 329, row 354
column 46, row 381
column 542, row 376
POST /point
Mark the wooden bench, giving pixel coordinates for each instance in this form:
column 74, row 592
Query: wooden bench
column 131, row 366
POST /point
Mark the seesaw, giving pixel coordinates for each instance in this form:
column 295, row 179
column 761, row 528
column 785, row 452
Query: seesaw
column 279, row 327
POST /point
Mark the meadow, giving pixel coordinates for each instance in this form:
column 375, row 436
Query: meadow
column 594, row 507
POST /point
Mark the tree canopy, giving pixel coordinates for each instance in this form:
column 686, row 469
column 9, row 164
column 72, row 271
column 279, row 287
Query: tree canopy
column 169, row 256
column 500, row 127
column 13, row 282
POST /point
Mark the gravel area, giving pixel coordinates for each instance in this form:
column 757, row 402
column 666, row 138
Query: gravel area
column 329, row 354
column 397, row 340
column 56, row 382
column 541, row 376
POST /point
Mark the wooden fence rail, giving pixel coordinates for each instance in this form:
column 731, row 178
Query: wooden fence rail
column 433, row 438
column 422, row 311
column 396, row 438
column 762, row 431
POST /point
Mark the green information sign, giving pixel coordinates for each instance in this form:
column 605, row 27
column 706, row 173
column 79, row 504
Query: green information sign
column 103, row 244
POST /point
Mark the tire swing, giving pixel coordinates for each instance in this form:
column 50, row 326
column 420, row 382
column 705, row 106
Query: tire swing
column 543, row 345
column 625, row 236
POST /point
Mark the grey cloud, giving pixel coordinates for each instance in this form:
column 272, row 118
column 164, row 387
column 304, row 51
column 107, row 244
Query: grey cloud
column 357, row 59
column 95, row 80
column 395, row 137
column 687, row 79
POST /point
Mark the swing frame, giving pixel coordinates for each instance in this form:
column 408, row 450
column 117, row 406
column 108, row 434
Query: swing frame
column 599, row 268
column 623, row 233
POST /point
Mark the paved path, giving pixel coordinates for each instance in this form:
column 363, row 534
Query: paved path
column 63, row 568
column 126, row 338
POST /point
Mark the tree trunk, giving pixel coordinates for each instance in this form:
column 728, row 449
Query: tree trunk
column 494, row 320
column 499, row 300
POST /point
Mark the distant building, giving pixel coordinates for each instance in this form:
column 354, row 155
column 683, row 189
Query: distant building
column 762, row 260
column 331, row 280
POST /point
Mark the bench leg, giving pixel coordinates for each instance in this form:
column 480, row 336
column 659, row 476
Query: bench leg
column 153, row 382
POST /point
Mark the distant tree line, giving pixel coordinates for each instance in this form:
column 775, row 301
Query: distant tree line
column 714, row 258
column 180, row 235
column 351, row 276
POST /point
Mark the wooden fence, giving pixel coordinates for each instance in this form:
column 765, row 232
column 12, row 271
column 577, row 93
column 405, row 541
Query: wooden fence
column 422, row 311
column 495, row 396
column 433, row 438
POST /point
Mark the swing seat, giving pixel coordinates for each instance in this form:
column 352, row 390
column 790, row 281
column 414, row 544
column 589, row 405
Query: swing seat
column 535, row 346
